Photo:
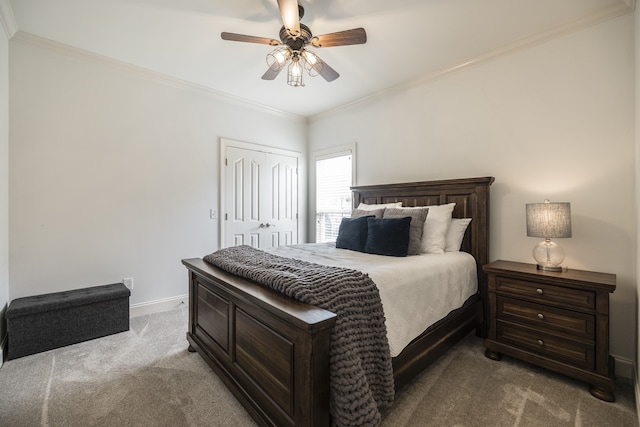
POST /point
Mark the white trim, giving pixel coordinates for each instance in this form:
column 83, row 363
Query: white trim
column 31, row 39
column 157, row 306
column 522, row 43
column 323, row 154
column 224, row 144
column 3, row 345
column 8, row 19
column 227, row 142
column 624, row 367
column 337, row 151
column 636, row 385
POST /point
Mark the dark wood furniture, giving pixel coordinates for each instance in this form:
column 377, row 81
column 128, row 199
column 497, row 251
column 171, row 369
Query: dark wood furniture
column 273, row 352
column 556, row 320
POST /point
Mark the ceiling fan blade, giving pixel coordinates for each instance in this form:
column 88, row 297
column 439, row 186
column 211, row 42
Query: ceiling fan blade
column 249, row 39
column 340, row 38
column 272, row 73
column 290, row 16
column 320, row 67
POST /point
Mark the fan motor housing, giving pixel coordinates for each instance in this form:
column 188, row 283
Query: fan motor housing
column 296, row 43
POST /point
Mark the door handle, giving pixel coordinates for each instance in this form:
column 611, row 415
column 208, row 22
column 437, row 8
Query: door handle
column 267, row 225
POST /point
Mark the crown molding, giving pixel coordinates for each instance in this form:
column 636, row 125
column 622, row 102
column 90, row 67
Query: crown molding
column 71, row 51
column 8, row 19
column 572, row 26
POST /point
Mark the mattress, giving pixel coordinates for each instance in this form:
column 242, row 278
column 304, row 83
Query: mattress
column 416, row 291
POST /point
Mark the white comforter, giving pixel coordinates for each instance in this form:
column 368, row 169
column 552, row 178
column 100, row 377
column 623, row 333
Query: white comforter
column 416, row 291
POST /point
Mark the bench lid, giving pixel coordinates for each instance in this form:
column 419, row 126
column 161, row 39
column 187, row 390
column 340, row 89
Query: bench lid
column 59, row 300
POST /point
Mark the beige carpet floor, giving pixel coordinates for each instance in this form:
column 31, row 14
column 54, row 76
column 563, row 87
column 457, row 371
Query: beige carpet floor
column 146, row 377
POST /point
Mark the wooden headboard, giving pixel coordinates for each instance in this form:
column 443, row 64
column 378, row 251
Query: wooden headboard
column 471, row 196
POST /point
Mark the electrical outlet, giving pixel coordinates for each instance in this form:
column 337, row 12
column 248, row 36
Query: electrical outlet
column 213, row 214
column 128, row 282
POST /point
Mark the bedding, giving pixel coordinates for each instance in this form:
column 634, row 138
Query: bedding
column 357, row 213
column 388, row 236
column 435, row 228
column 361, row 371
column 352, row 233
column 455, row 234
column 418, row 217
column 415, row 291
column 368, row 207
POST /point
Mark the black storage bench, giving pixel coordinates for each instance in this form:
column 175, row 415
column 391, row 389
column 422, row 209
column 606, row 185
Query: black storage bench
column 44, row 322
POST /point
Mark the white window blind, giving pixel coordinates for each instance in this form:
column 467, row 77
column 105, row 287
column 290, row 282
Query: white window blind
column 333, row 194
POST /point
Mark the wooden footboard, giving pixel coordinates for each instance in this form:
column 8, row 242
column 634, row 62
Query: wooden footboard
column 272, row 352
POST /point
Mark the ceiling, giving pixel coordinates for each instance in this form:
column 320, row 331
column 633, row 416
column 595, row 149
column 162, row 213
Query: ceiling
column 408, row 40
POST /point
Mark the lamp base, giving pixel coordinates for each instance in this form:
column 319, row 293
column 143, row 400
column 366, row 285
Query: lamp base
column 548, row 255
column 548, row 268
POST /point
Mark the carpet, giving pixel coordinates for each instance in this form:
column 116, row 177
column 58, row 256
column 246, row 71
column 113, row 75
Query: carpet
column 146, row 377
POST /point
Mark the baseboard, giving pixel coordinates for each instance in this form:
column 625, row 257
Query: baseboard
column 636, row 387
column 3, row 333
column 3, row 345
column 624, row 367
column 158, row 306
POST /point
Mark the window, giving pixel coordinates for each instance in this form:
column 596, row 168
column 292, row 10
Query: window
column 334, row 177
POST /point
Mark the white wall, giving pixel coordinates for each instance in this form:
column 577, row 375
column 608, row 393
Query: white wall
column 114, row 170
column 553, row 121
column 637, row 122
column 4, row 180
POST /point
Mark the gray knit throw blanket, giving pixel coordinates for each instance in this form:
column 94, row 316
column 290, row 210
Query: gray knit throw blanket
column 360, row 372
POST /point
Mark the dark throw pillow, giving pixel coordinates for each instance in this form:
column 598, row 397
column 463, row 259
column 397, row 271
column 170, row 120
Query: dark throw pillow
column 352, row 233
column 418, row 216
column 388, row 236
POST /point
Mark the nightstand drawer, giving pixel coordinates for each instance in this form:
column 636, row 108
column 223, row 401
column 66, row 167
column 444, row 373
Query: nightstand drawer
column 557, row 348
column 547, row 294
column 575, row 324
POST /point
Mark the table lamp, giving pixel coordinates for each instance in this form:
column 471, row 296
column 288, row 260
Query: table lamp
column 549, row 221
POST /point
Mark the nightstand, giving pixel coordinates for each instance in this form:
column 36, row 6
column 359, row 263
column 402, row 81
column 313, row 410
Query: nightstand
column 556, row 320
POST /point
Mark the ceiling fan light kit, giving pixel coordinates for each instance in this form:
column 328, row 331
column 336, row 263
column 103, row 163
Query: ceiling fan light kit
column 291, row 49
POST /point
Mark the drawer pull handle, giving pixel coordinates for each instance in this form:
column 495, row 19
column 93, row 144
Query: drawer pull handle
column 539, row 291
column 540, row 342
column 540, row 316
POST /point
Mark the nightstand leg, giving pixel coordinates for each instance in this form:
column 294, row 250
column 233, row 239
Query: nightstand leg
column 603, row 393
column 493, row 355
column 191, row 349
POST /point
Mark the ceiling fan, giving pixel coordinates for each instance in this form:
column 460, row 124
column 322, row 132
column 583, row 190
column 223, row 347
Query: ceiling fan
column 295, row 38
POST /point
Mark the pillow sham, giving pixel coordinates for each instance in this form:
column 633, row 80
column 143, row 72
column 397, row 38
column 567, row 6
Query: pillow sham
column 366, row 207
column 455, row 234
column 352, row 233
column 418, row 216
column 363, row 212
column 435, row 228
column 388, row 236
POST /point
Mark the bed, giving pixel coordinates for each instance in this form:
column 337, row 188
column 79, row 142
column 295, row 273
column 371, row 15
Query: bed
column 272, row 352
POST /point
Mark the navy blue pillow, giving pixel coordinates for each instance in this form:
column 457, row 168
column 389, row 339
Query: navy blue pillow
column 352, row 233
column 388, row 236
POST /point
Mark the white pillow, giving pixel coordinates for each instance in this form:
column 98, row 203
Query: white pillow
column 455, row 234
column 435, row 228
column 366, row 207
